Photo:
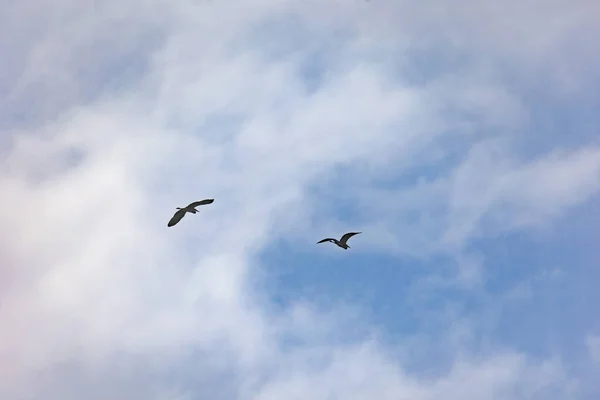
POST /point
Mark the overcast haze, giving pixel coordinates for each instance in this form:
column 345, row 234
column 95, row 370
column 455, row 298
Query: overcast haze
column 461, row 137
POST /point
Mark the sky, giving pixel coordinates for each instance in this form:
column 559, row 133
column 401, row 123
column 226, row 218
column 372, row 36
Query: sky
column 461, row 138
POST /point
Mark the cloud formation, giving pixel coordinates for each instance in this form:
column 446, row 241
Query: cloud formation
column 298, row 118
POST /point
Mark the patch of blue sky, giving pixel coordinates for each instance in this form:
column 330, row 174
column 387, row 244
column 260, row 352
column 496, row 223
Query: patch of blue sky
column 559, row 275
column 383, row 289
column 381, row 283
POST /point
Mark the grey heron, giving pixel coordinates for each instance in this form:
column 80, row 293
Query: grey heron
column 191, row 208
column 342, row 242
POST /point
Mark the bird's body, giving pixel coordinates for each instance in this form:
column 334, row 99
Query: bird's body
column 343, row 242
column 190, row 208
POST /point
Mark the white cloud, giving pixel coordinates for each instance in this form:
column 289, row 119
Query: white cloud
column 593, row 344
column 100, row 299
column 491, row 185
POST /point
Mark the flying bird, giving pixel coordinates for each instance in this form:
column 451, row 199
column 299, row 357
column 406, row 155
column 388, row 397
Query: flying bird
column 342, row 242
column 191, row 208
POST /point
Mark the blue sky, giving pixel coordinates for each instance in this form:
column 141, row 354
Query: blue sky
column 460, row 138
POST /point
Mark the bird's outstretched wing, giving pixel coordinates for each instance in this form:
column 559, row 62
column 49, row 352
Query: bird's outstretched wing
column 325, row 240
column 201, row 203
column 176, row 217
column 347, row 236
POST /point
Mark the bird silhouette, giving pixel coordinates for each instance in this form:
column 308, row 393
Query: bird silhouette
column 342, row 242
column 191, row 208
